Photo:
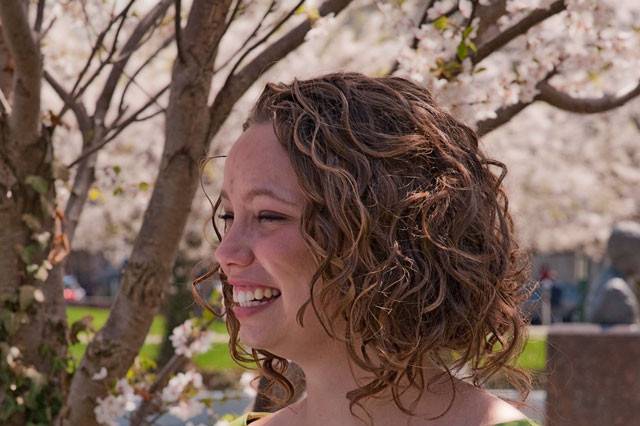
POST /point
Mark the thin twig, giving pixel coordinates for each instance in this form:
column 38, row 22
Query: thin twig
column 146, row 25
column 263, row 39
column 506, row 113
column 117, row 129
column 178, row 30
column 150, row 116
column 423, row 21
column 37, row 26
column 237, row 84
column 249, row 38
column 112, row 51
column 75, row 93
column 234, row 12
column 416, row 40
column 175, row 364
column 74, row 105
column 91, row 30
column 132, row 79
column 521, row 27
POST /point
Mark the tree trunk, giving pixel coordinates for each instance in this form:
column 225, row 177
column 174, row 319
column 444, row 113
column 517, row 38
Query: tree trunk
column 32, row 317
column 190, row 126
column 178, row 307
column 147, row 273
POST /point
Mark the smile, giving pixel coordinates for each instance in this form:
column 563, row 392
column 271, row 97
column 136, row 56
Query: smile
column 250, row 297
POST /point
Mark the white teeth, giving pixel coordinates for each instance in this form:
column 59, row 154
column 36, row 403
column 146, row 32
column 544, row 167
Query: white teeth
column 256, row 297
column 257, row 294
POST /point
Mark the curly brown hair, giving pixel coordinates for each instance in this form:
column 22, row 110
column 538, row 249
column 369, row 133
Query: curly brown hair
column 410, row 228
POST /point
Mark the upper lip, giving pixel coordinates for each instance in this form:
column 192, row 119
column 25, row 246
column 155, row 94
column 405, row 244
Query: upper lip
column 239, row 282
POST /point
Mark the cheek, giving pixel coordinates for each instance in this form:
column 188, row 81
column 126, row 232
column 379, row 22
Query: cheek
column 287, row 258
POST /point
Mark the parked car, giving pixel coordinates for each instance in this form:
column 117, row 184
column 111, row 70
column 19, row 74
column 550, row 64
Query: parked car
column 73, row 291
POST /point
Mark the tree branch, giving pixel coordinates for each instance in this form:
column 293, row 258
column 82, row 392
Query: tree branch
column 525, row 24
column 232, row 16
column 248, row 39
column 93, row 141
column 132, row 78
column 117, row 128
column 75, row 105
column 237, row 84
column 264, row 38
column 503, row 115
column 549, row 94
column 77, row 91
column 25, row 117
column 506, row 113
column 178, row 30
column 37, row 26
column 132, row 44
column 175, row 364
column 416, row 40
column 564, row 101
column 146, row 277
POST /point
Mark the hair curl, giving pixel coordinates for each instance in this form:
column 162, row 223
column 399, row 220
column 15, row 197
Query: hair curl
column 410, row 228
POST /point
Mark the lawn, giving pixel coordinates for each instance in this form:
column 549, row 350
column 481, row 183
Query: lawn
column 216, row 359
column 100, row 315
column 532, row 358
column 534, row 355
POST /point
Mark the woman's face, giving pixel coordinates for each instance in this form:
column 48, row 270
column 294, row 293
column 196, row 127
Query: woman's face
column 262, row 252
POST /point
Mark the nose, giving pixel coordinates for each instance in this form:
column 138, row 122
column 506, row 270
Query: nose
column 234, row 250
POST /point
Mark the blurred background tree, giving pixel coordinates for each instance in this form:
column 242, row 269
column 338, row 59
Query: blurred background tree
column 108, row 107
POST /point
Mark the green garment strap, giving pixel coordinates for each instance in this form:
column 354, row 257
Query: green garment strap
column 250, row 417
column 247, row 419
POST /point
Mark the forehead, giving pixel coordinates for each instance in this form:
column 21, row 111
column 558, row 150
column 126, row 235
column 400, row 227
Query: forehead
column 258, row 160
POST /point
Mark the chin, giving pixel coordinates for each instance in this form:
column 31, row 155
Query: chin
column 256, row 339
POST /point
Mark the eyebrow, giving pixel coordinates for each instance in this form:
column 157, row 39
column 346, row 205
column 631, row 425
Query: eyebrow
column 256, row 192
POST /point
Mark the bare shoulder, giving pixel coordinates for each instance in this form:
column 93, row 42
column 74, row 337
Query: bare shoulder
column 486, row 407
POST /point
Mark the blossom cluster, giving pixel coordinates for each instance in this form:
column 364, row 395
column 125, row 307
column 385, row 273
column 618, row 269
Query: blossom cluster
column 580, row 49
column 589, row 47
column 189, row 340
column 184, row 396
column 123, row 400
column 180, row 395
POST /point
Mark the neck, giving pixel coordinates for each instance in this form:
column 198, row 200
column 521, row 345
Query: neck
column 330, row 376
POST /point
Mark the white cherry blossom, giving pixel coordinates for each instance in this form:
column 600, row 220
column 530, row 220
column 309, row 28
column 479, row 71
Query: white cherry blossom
column 188, row 340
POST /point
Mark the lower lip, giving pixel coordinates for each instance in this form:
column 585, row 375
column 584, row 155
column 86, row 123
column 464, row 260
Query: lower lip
column 245, row 312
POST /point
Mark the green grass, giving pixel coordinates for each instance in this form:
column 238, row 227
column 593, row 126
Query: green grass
column 218, row 358
column 219, row 327
column 534, row 355
column 100, row 315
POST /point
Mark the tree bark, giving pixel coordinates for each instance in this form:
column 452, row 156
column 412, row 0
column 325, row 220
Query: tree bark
column 148, row 270
column 94, row 129
column 27, row 203
column 188, row 134
column 239, row 83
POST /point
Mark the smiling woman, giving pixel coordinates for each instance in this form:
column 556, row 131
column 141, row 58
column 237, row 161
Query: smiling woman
column 366, row 239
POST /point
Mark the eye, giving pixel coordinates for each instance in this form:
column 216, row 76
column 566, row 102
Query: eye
column 225, row 216
column 270, row 217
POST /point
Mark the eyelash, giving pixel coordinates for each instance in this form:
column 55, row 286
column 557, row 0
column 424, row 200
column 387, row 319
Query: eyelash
column 268, row 217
